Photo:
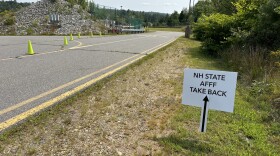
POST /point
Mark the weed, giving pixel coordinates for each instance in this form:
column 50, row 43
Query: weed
column 31, row 151
column 30, row 31
column 84, row 109
column 35, row 23
column 60, row 131
column 80, row 10
column 67, row 121
column 8, row 17
column 152, row 124
column 9, row 21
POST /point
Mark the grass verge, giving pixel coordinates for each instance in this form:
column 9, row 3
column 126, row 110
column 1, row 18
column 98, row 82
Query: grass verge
column 250, row 130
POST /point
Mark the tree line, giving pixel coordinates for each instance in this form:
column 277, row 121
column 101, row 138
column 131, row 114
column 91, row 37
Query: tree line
column 11, row 5
column 145, row 18
column 131, row 17
column 120, row 15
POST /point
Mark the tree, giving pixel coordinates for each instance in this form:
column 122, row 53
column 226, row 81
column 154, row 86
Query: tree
column 266, row 30
column 53, row 1
column 183, row 17
column 173, row 20
column 203, row 8
column 91, row 7
column 209, row 7
column 224, row 6
column 11, row 5
column 83, row 3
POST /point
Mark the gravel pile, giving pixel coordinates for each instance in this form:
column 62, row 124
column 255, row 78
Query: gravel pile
column 36, row 20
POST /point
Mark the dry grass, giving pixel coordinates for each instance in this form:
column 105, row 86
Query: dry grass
column 252, row 63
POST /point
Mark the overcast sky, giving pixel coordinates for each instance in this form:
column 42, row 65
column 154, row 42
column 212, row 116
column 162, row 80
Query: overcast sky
column 163, row 6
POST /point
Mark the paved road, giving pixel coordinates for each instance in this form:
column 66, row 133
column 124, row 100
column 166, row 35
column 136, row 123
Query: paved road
column 30, row 83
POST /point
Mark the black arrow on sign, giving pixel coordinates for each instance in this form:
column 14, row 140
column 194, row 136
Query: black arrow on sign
column 204, row 113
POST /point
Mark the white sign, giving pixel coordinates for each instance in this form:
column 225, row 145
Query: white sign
column 218, row 86
column 209, row 89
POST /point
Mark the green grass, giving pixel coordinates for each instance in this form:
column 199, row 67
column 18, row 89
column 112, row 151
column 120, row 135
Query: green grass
column 250, row 130
column 168, row 29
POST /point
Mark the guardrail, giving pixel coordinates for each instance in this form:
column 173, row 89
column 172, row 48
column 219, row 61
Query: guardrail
column 133, row 30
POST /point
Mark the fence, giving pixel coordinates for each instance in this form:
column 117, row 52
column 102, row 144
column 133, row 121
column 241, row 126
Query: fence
column 119, row 16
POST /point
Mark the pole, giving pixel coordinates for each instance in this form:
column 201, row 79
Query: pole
column 193, row 3
column 204, row 114
column 188, row 28
column 190, row 5
column 121, row 14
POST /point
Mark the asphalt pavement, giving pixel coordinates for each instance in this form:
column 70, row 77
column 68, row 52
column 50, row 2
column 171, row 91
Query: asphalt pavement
column 31, row 83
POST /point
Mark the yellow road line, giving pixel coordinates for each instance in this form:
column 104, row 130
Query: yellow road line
column 63, row 86
column 67, row 94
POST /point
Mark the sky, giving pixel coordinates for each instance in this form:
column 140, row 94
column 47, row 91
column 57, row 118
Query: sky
column 163, row 6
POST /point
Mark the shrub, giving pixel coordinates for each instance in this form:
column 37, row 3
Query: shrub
column 53, row 1
column 250, row 62
column 275, row 59
column 214, row 31
column 9, row 21
column 245, row 38
column 267, row 29
column 46, row 19
column 30, row 31
column 255, row 23
column 8, row 17
column 11, row 31
column 35, row 23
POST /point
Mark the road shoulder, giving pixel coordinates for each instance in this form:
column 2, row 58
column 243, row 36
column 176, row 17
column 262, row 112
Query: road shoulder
column 129, row 109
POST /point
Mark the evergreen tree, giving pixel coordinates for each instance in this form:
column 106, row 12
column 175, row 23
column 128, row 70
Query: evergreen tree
column 183, row 17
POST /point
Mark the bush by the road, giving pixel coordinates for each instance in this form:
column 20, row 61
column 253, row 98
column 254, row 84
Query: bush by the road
column 247, row 35
column 248, row 41
column 7, row 17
